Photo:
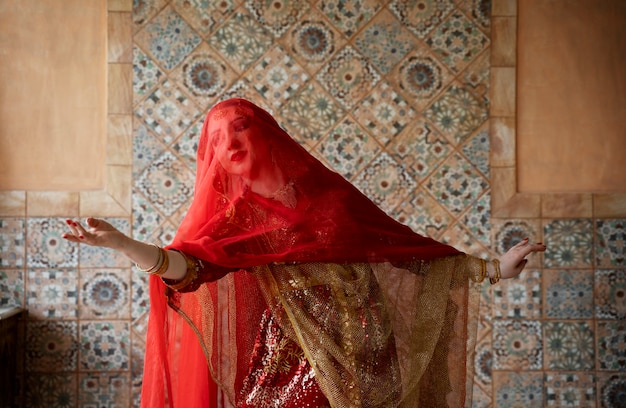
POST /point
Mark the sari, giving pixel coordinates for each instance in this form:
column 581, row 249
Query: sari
column 306, row 295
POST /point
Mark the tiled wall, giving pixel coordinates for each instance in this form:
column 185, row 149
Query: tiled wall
column 396, row 96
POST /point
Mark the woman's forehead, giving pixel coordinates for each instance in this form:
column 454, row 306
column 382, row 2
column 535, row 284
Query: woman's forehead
column 230, row 113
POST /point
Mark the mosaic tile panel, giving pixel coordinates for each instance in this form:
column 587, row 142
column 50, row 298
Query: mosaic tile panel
column 51, row 346
column 570, row 390
column 146, row 74
column 517, row 344
column 610, row 294
column 421, row 17
column 45, row 246
column 518, row 390
column 167, row 38
column 431, row 223
column 477, row 219
column 568, row 294
column 104, row 294
column 11, row 288
column 384, row 113
column 204, row 15
column 104, row 345
column 519, row 298
column 313, row 41
column 104, row 390
column 50, row 390
column 12, row 242
column 611, row 343
column 92, row 257
column 569, row 345
column 349, row 15
column 52, row 294
column 569, row 242
column 612, row 388
column 611, row 247
column 278, row 15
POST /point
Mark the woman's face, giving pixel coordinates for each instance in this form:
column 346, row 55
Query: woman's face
column 237, row 141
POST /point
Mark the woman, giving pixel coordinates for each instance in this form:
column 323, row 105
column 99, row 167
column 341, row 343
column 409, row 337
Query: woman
column 295, row 290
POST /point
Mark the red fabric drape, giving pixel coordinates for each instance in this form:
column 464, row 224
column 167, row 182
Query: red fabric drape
column 320, row 217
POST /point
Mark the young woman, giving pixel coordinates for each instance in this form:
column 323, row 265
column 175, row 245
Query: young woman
column 286, row 287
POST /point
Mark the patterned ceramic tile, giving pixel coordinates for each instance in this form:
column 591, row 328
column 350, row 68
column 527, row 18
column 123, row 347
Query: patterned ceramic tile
column 479, row 11
column 186, row 146
column 140, row 326
column 568, row 294
column 477, row 219
column 348, row 148
column 517, row 345
column 52, row 294
column 612, row 388
column 519, row 297
column 51, row 346
column 11, row 288
column 348, row 77
column 167, row 183
column 420, row 147
column 310, row 114
column 421, row 17
column 461, row 238
column 50, row 390
column 508, row 233
column 385, row 182
column 456, row 184
column 104, row 294
column 517, row 390
column 241, row 41
column 203, row 75
column 145, row 218
column 570, row 243
column 45, row 246
column 569, row 345
column 476, row 76
column 481, row 398
column 476, row 149
column 97, row 257
column 457, row 41
column 384, row 42
column 384, row 113
column 137, row 361
column 313, row 41
column 144, row 10
column 423, row 214
column 204, row 15
column 168, row 112
column 570, row 390
column 349, row 15
column 167, row 38
column 610, row 300
column 277, row 76
column 611, row 247
column 457, row 113
column 104, row 390
column 483, row 363
column 611, row 343
column 12, row 242
column 146, row 148
column 140, row 301
column 277, row 16
column 104, row 345
column 146, row 74
column 421, row 77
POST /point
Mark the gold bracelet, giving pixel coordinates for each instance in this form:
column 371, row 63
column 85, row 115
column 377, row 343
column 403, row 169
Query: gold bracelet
column 166, row 264
column 190, row 276
column 159, row 260
column 497, row 273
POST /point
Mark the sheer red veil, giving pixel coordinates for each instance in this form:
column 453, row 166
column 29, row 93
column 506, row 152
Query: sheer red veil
column 316, row 218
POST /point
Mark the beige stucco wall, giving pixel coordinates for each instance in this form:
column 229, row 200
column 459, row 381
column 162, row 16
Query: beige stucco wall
column 53, row 95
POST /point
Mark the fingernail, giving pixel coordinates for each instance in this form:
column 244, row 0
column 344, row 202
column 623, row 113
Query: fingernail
column 81, row 237
column 74, row 223
column 69, row 222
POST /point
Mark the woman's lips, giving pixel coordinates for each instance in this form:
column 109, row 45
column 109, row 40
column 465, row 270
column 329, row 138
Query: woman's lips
column 238, row 156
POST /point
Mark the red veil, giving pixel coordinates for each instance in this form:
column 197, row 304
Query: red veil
column 316, row 233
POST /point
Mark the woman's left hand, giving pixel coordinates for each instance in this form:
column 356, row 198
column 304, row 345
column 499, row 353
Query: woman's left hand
column 513, row 262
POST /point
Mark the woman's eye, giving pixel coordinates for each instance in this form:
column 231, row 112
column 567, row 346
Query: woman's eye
column 241, row 124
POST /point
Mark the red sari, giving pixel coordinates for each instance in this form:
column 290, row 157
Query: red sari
column 329, row 302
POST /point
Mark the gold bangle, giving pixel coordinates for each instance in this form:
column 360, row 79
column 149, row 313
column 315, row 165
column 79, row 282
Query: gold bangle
column 190, row 276
column 166, row 264
column 159, row 260
column 497, row 272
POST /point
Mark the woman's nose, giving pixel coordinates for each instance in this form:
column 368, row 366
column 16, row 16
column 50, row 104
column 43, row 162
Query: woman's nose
column 233, row 141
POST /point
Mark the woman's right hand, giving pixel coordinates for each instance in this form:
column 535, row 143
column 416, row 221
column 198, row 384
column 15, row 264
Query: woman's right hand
column 98, row 233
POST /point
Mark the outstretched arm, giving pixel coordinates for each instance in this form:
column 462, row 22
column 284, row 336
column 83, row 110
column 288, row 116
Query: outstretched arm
column 102, row 234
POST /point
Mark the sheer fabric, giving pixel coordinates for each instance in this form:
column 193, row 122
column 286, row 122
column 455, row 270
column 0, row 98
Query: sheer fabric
column 383, row 316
